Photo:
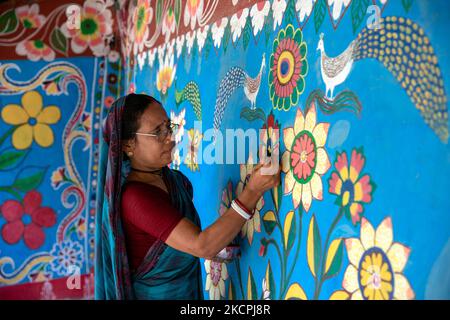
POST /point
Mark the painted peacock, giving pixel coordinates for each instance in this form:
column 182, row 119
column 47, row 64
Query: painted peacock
column 403, row 48
column 236, row 78
column 190, row 93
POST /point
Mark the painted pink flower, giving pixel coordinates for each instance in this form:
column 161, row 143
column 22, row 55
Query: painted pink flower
column 29, row 16
column 35, row 50
column 193, row 12
column 168, row 25
column 95, row 25
column 142, row 16
column 26, row 220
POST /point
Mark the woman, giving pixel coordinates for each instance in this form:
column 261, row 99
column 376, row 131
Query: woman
column 148, row 233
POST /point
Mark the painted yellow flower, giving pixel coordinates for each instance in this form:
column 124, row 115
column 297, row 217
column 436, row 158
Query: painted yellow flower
column 305, row 159
column 216, row 274
column 195, row 138
column 165, row 76
column 32, row 121
column 254, row 224
column 376, row 265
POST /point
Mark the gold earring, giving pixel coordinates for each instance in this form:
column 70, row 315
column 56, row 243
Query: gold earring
column 130, row 154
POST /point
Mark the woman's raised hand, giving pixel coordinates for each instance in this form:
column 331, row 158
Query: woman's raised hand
column 264, row 177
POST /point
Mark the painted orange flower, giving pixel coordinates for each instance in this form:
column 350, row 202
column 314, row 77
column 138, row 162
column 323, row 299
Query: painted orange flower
column 353, row 188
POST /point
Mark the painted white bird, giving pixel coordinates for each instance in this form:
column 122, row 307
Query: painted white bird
column 251, row 85
column 335, row 70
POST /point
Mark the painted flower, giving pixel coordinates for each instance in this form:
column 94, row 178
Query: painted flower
column 201, row 37
column 109, row 100
column 67, row 257
column 237, row 23
column 218, row 30
column 52, row 87
column 258, row 13
column 270, row 138
column 338, row 6
column 131, row 88
column 86, row 121
column 352, row 188
column 27, row 220
column 288, row 68
column 32, row 121
column 376, row 265
column 59, row 177
column 165, row 76
column 113, row 56
column 95, row 26
column 304, row 8
column 178, row 119
column 305, row 159
column 35, row 50
column 227, row 197
column 142, row 16
column 195, row 139
column 168, row 23
column 179, row 45
column 176, row 160
column 254, row 224
column 81, row 228
column 190, row 37
column 193, row 12
column 278, row 7
column 29, row 16
column 266, row 291
column 216, row 274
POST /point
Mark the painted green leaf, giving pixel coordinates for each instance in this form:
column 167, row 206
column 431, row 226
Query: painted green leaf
column 226, row 37
column 159, row 4
column 9, row 159
column 29, row 178
column 269, row 221
column 290, row 230
column 177, row 11
column 320, row 11
column 247, row 34
column 270, row 281
column 252, row 115
column 407, row 4
column 251, row 286
column 58, row 41
column 358, row 11
column 289, row 14
column 314, row 247
column 334, row 258
column 8, row 22
column 277, row 196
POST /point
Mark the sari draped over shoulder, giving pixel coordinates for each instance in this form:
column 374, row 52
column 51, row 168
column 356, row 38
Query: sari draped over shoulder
column 165, row 273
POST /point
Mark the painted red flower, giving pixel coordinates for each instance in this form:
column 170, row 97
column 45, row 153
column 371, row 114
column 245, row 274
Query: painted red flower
column 27, row 220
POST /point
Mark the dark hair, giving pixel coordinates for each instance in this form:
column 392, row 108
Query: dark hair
column 135, row 105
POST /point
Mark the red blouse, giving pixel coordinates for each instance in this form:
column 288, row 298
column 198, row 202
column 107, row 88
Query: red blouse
column 147, row 215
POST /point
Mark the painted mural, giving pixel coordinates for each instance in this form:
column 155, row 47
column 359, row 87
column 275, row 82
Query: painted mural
column 350, row 93
column 56, row 84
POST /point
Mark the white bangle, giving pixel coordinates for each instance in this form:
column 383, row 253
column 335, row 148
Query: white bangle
column 239, row 210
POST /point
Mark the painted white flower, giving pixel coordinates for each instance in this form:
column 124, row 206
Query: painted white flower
column 35, row 50
column 237, row 23
column 179, row 45
column 216, row 274
column 258, row 13
column 151, row 57
column 141, row 59
column 176, row 159
column 193, row 12
column 201, row 37
column 338, row 6
column 266, row 291
column 304, row 7
column 67, row 256
column 218, row 30
column 278, row 7
column 190, row 37
column 179, row 119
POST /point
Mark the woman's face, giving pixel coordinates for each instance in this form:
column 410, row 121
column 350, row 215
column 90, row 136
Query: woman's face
column 149, row 151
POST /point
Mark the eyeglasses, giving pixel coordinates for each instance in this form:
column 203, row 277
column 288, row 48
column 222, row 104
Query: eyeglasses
column 161, row 133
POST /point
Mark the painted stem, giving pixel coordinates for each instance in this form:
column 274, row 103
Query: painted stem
column 6, row 135
column 322, row 262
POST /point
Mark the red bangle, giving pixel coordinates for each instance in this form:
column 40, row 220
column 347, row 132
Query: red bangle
column 250, row 213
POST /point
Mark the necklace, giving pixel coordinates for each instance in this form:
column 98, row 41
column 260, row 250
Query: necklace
column 157, row 172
